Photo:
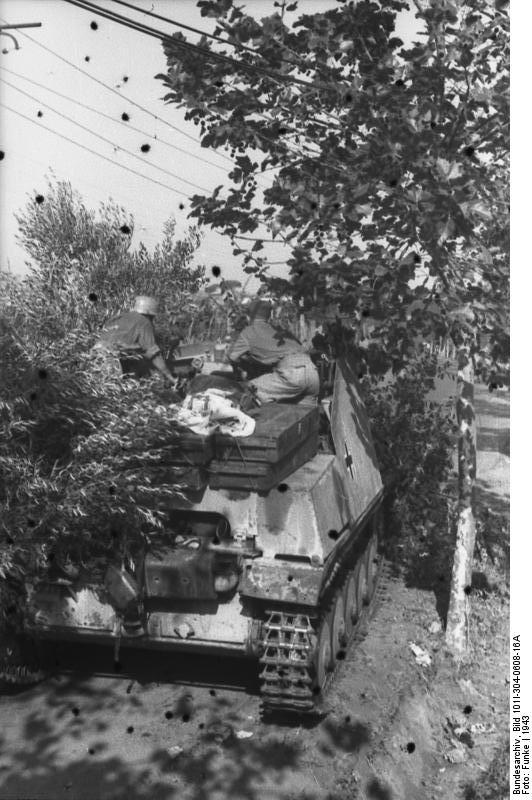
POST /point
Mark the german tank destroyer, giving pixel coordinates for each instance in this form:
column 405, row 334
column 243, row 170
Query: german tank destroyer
column 271, row 552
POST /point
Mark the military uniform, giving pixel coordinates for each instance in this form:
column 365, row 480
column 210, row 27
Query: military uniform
column 294, row 376
column 128, row 342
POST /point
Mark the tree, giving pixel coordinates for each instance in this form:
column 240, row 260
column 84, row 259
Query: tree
column 389, row 168
column 83, row 269
column 81, row 451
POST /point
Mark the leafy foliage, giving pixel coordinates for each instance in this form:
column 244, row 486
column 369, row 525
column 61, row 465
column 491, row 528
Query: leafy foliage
column 386, row 159
column 83, row 270
column 81, row 455
column 388, row 166
column 412, row 434
column 414, row 437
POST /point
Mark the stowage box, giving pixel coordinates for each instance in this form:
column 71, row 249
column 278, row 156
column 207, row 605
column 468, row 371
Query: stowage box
column 259, row 476
column 279, row 429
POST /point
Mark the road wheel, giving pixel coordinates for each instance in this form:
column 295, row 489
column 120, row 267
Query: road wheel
column 371, row 566
column 361, row 583
column 322, row 657
column 352, row 603
column 338, row 637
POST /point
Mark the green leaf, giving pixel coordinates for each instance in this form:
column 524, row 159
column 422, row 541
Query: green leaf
column 449, row 170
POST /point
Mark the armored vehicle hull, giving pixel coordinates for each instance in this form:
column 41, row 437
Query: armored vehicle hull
column 273, row 554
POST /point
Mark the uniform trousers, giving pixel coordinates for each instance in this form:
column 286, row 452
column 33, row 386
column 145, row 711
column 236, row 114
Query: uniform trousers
column 294, row 378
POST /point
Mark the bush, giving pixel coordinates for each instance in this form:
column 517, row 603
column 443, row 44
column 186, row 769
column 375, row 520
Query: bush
column 414, row 440
column 79, row 447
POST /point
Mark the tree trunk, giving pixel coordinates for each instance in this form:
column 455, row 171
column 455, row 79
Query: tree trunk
column 457, row 615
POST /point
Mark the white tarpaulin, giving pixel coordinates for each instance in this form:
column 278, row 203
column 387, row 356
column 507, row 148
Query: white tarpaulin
column 210, row 411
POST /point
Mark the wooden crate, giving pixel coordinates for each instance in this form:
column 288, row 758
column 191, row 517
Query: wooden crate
column 259, row 476
column 279, row 429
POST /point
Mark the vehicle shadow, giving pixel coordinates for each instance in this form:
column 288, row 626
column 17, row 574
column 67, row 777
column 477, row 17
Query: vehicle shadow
column 148, row 666
column 83, row 737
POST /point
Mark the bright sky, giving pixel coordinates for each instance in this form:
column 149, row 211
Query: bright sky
column 115, row 53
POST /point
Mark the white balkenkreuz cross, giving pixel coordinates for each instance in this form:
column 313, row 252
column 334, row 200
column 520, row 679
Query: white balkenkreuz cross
column 348, row 461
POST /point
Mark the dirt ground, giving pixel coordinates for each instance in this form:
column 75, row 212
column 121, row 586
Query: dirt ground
column 189, row 728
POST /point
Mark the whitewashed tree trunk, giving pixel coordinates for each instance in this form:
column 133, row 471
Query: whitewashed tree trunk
column 457, row 617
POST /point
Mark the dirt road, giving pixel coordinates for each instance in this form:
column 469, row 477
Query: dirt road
column 186, row 728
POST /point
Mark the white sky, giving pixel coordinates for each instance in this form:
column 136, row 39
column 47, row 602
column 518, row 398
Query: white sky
column 114, row 52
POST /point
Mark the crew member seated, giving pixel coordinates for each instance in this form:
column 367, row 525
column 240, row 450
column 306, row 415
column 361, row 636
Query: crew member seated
column 293, row 377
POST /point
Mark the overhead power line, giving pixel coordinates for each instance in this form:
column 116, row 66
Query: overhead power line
column 142, row 108
column 127, row 125
column 100, row 113
column 130, row 101
column 144, row 29
column 258, row 239
column 184, row 45
column 300, row 64
column 116, row 164
column 187, row 27
column 89, row 6
column 61, row 173
column 103, row 138
column 119, row 94
column 238, row 44
column 94, row 153
column 141, row 28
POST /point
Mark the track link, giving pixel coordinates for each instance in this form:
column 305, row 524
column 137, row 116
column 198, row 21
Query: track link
column 21, row 675
column 288, row 647
column 288, row 677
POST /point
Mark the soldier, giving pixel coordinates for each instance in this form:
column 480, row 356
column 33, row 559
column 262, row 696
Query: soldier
column 130, row 340
column 294, row 376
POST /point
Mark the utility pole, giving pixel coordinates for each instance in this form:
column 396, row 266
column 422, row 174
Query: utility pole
column 4, row 28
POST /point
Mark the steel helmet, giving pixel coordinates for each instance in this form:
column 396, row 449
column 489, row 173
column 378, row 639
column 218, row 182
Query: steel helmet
column 145, row 305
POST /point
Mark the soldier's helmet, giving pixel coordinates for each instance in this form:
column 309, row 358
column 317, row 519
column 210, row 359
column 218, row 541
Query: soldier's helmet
column 145, row 305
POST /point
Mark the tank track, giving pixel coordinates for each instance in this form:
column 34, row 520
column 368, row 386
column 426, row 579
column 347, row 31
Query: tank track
column 21, row 675
column 288, row 650
column 22, row 661
column 288, row 646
